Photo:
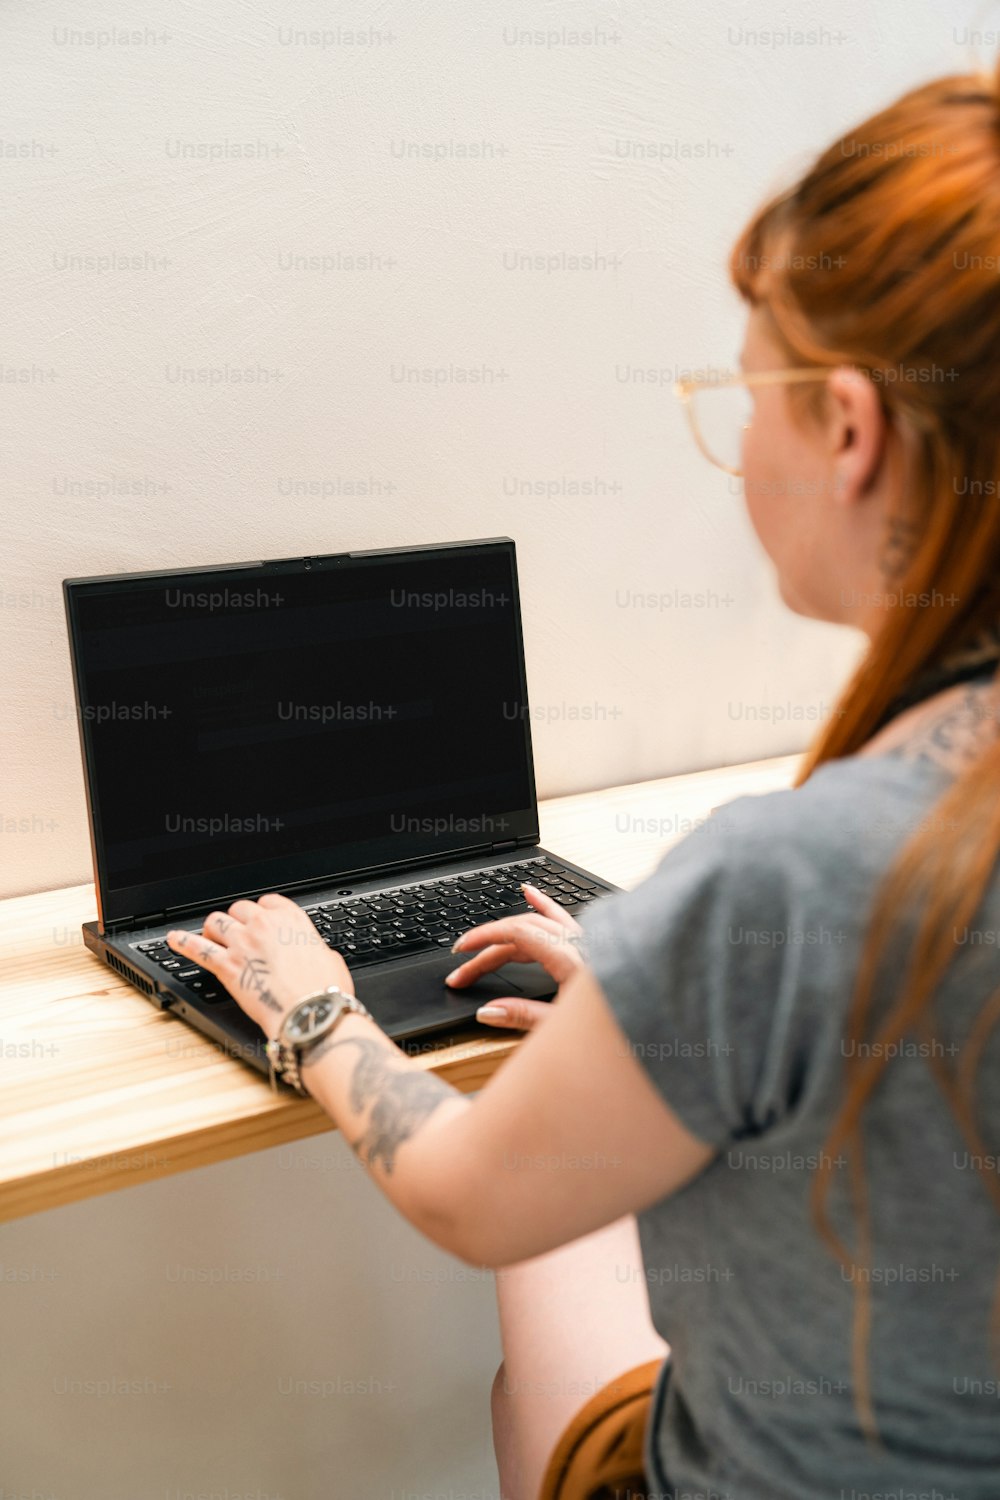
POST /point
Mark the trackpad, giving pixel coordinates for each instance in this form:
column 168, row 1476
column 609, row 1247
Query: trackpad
column 527, row 979
column 409, row 998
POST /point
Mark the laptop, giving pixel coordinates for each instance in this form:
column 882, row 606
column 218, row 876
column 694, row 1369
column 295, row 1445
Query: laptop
column 351, row 730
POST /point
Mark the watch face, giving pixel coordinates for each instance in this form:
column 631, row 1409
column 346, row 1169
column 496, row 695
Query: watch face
column 308, row 1018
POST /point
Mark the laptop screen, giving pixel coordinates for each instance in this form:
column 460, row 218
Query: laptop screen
column 286, row 722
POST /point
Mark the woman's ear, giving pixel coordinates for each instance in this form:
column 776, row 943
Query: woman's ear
column 856, row 425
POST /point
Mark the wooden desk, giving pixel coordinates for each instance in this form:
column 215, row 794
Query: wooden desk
column 101, row 1091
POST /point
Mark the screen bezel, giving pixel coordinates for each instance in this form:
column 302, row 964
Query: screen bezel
column 134, row 905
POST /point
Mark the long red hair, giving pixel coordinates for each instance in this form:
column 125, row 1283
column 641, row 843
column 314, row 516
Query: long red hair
column 886, row 256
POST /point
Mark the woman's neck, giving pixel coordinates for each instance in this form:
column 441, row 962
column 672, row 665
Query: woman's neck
column 949, row 730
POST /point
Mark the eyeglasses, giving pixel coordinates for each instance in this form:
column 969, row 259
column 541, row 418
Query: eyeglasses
column 720, row 411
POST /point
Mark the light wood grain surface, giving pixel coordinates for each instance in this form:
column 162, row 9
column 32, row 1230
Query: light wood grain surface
column 100, row 1090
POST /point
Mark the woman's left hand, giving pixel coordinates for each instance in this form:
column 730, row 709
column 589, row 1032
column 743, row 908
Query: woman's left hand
column 547, row 935
column 268, row 955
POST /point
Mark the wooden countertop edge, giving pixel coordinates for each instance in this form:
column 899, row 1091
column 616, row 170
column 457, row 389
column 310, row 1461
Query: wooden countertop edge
column 275, row 1124
column 43, row 928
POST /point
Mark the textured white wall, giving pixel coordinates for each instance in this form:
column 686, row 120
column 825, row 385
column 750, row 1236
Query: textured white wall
column 110, row 462
column 113, row 462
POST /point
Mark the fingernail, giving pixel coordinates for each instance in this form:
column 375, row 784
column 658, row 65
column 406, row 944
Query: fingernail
column 456, row 945
column 450, row 978
column 493, row 1012
column 526, row 887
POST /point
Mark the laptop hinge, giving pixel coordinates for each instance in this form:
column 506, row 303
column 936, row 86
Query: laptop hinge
column 527, row 840
column 503, row 846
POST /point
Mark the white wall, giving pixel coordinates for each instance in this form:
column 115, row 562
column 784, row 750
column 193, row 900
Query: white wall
column 266, row 1329
column 102, row 407
column 197, row 475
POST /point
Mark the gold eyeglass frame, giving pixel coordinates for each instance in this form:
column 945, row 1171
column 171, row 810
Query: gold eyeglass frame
column 685, row 389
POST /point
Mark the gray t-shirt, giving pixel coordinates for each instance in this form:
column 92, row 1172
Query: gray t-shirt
column 730, row 971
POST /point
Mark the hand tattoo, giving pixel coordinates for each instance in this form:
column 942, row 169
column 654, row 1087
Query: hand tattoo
column 403, row 1099
column 254, row 978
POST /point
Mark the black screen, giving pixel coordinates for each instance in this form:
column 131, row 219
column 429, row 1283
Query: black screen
column 280, row 723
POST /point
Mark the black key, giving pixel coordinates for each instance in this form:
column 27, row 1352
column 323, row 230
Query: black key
column 394, row 949
column 170, row 964
column 471, row 883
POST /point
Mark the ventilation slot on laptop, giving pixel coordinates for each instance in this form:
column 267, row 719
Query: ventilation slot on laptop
column 127, row 972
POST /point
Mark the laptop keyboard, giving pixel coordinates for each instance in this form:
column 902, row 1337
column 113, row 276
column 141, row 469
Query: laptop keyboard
column 410, row 919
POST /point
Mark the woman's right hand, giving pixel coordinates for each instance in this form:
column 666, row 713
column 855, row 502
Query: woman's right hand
column 547, row 935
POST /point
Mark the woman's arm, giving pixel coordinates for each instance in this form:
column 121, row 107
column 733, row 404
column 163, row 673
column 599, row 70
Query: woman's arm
column 568, row 1136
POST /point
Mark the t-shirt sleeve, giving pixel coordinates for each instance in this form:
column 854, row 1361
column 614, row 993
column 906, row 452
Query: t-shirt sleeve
column 710, row 967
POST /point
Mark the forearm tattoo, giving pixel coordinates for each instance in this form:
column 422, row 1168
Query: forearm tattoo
column 254, row 978
column 403, row 1100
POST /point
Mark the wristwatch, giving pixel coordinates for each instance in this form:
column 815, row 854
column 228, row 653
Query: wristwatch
column 306, row 1024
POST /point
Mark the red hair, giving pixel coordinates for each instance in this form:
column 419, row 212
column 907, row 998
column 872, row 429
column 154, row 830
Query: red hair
column 886, row 257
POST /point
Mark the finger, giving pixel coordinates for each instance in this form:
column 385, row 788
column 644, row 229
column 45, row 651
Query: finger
column 534, row 939
column 513, row 1015
column 503, row 930
column 483, row 963
column 243, row 911
column 199, row 950
column 549, row 908
column 220, row 927
column 276, row 900
column 293, row 924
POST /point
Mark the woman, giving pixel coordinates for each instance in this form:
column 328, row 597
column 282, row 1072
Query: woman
column 780, row 1052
